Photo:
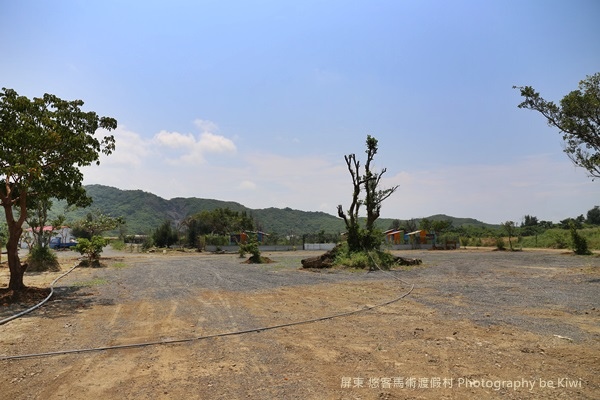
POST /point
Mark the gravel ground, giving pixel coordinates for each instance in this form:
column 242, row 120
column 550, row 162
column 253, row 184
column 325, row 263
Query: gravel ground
column 473, row 316
column 488, row 287
column 510, row 287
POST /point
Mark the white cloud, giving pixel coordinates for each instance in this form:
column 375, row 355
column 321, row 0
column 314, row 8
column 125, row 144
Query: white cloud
column 192, row 149
column 130, row 149
column 174, row 140
column 211, row 143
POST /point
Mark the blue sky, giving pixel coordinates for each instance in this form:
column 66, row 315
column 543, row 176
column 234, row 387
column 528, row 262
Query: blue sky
column 258, row 101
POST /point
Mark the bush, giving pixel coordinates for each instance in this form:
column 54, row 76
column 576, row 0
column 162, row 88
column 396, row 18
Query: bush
column 42, row 259
column 91, row 248
column 500, row 245
column 579, row 244
column 364, row 260
column 216, row 240
column 251, row 247
column 117, row 245
column 148, row 243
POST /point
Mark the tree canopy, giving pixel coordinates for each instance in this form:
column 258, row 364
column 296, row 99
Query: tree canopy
column 43, row 144
column 578, row 119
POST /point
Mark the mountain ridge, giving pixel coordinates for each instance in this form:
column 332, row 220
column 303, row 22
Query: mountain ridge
column 144, row 211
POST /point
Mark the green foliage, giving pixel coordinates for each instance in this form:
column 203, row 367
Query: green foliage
column 465, row 241
column 366, row 238
column 322, row 237
column 148, row 243
column 578, row 243
column 118, row 245
column 557, row 238
column 251, row 246
column 221, row 221
column 91, row 248
column 216, row 240
column 43, row 144
column 165, row 236
column 577, row 120
column 530, row 226
column 96, row 223
column 593, row 216
column 371, row 260
column 500, row 244
column 436, row 226
column 42, row 259
column 510, row 229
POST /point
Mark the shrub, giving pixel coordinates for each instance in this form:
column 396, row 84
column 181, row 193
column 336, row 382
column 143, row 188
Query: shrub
column 251, row 247
column 91, row 248
column 362, row 260
column 464, row 241
column 558, row 240
column 216, row 240
column 500, row 245
column 117, row 245
column 579, row 244
column 148, row 243
column 42, row 259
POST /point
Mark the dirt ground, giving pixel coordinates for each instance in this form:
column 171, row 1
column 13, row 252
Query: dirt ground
column 477, row 324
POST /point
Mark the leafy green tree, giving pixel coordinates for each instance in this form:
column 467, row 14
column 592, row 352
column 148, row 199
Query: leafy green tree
column 568, row 222
column 530, row 226
column 577, row 118
column 369, row 238
column 593, row 216
column 43, row 144
column 222, row 221
column 91, row 248
column 425, row 224
column 165, row 235
column 578, row 243
column 395, row 225
column 95, row 223
column 37, row 215
column 510, row 228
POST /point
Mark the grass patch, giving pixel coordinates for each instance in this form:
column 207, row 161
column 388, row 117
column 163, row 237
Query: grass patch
column 557, row 238
column 119, row 265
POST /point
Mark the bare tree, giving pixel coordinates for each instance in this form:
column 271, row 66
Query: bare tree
column 364, row 239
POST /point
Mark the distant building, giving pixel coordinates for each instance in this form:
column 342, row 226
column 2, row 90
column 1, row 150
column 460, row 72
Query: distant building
column 64, row 233
column 242, row 237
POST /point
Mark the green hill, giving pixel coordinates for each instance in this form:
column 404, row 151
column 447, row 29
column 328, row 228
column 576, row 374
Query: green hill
column 144, row 212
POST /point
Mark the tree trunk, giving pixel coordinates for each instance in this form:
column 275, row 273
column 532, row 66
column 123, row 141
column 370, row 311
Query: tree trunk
column 15, row 229
column 14, row 263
